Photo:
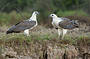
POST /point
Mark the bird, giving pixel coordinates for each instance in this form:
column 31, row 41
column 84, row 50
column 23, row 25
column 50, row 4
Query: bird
column 63, row 25
column 24, row 25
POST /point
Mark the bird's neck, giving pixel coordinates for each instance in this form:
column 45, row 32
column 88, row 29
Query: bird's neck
column 55, row 18
column 33, row 17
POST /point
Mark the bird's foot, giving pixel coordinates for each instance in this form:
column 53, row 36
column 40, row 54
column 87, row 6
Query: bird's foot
column 59, row 37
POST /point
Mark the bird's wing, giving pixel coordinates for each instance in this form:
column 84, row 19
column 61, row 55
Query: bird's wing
column 23, row 25
column 65, row 18
column 68, row 24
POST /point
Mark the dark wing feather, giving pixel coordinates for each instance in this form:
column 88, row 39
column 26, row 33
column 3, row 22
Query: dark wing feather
column 65, row 18
column 68, row 24
column 21, row 26
column 17, row 23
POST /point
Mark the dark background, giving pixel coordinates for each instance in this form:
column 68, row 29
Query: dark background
column 12, row 11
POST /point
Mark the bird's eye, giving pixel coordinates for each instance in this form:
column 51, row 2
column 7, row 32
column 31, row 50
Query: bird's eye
column 52, row 15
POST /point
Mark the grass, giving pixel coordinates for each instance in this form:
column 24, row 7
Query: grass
column 72, row 12
column 41, row 34
column 14, row 17
column 38, row 34
column 39, row 40
column 40, row 37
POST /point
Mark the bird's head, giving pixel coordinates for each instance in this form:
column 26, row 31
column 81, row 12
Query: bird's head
column 36, row 12
column 33, row 17
column 53, row 15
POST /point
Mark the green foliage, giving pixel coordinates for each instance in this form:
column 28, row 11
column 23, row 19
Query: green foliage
column 14, row 17
column 42, row 34
column 9, row 5
column 36, row 37
column 72, row 12
column 45, row 7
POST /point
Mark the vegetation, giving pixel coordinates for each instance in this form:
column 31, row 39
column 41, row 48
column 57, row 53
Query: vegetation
column 42, row 33
column 43, row 40
column 40, row 40
column 18, row 10
column 14, row 17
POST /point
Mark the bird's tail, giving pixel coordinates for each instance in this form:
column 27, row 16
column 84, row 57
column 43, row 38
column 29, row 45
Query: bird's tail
column 8, row 32
column 77, row 26
column 76, row 23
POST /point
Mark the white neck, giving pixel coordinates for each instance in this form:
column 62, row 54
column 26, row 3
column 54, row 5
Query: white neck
column 57, row 19
column 33, row 17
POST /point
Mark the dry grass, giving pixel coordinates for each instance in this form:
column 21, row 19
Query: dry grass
column 39, row 33
column 42, row 33
column 39, row 40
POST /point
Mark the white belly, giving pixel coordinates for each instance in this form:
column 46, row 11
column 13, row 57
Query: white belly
column 56, row 23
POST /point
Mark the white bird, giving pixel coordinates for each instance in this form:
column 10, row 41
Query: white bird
column 25, row 25
column 63, row 24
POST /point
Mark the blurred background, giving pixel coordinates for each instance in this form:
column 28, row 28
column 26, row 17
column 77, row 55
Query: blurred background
column 13, row 11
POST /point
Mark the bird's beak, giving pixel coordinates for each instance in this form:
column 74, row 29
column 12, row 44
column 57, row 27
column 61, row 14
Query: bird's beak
column 37, row 12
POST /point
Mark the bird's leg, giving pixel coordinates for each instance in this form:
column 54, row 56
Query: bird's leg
column 59, row 33
column 71, row 34
column 26, row 32
column 64, row 32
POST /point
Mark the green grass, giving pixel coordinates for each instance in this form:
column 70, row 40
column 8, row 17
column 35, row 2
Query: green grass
column 22, row 37
column 41, row 34
column 14, row 17
column 72, row 12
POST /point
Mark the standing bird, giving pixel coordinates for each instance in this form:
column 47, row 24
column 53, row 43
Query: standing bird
column 25, row 25
column 63, row 24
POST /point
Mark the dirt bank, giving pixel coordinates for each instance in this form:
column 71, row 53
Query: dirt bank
column 45, row 49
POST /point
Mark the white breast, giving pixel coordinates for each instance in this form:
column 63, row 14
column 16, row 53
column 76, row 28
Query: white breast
column 56, row 21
